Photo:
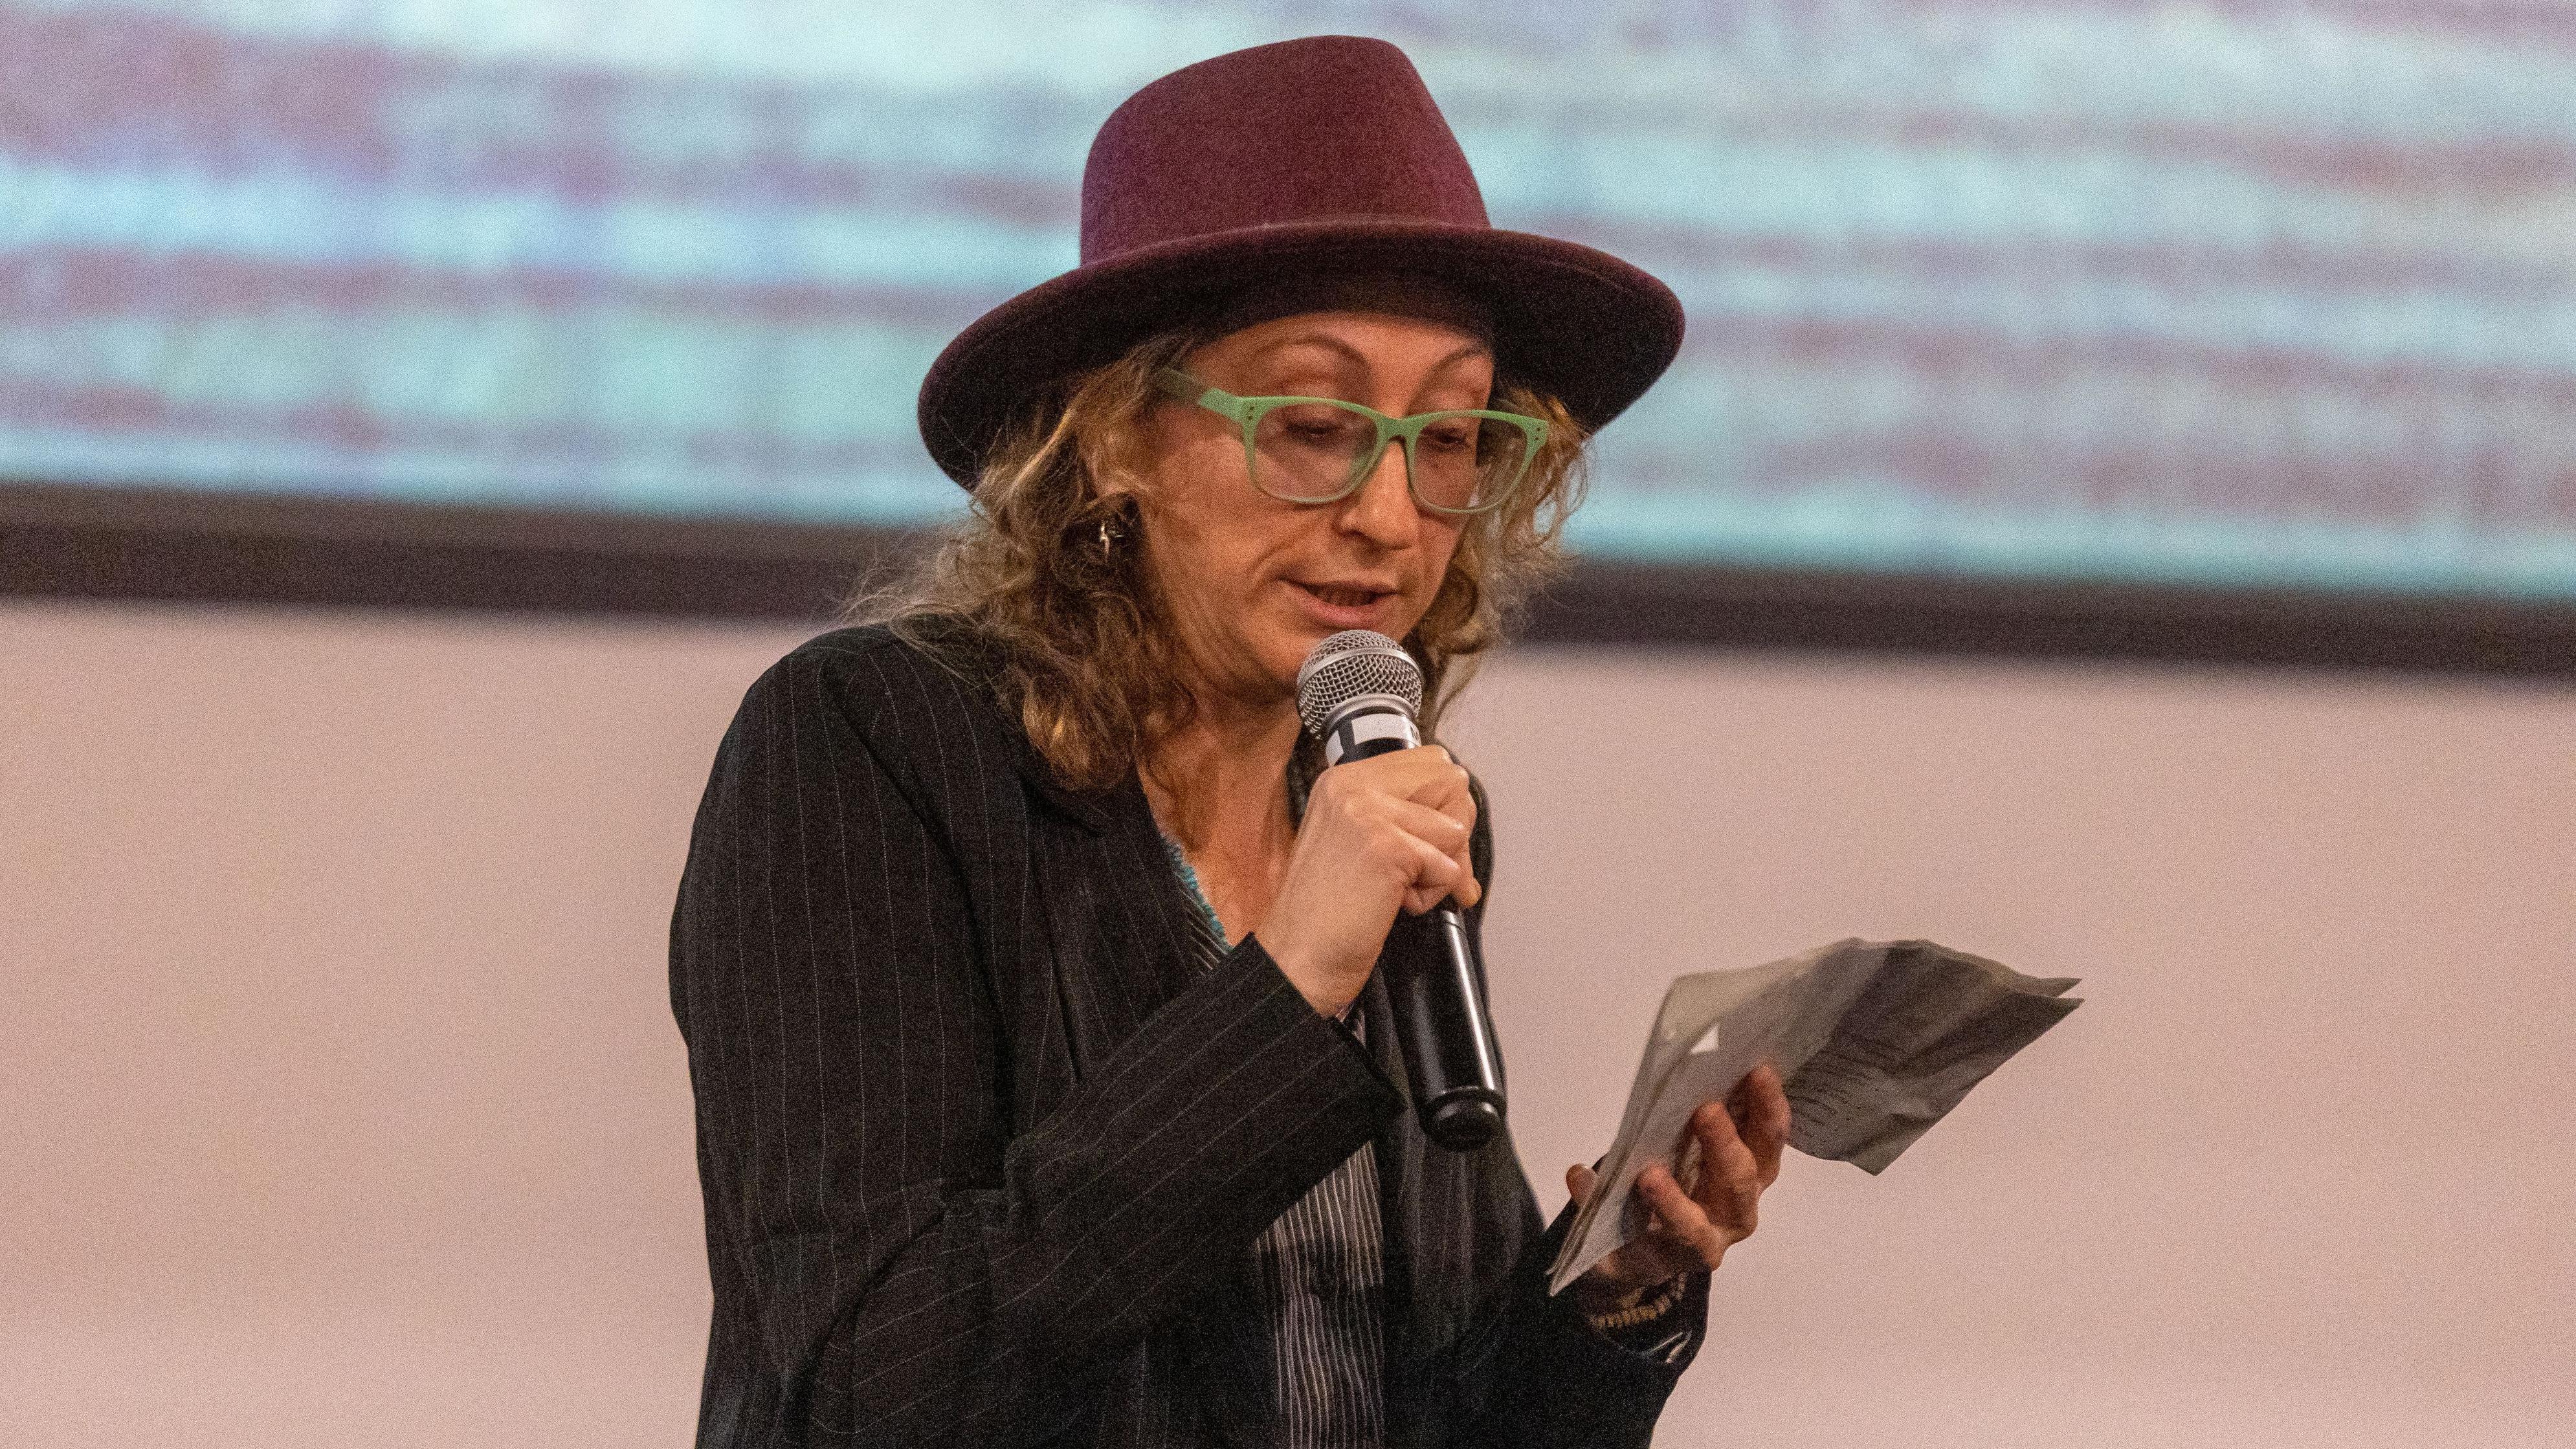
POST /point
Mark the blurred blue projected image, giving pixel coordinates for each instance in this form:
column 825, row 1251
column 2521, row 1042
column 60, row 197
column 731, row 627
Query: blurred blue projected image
column 2230, row 293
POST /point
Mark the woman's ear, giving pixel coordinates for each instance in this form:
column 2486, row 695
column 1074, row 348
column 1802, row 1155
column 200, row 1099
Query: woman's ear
column 1118, row 470
column 1114, row 500
column 1122, row 476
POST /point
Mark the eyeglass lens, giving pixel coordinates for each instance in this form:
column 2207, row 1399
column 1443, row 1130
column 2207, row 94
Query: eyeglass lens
column 1312, row 451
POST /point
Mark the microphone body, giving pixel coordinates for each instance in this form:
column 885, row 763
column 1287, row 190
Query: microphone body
column 1431, row 979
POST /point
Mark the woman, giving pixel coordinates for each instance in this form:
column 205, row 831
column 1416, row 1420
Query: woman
column 1027, row 962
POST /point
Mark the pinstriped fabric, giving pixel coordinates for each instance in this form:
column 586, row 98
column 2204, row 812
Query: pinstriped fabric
column 1318, row 1272
column 984, row 1144
column 1321, row 1288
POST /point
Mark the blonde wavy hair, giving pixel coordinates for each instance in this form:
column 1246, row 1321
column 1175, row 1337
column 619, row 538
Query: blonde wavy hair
column 1072, row 633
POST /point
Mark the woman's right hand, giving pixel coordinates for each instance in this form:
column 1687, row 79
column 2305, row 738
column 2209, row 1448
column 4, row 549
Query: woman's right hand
column 1380, row 835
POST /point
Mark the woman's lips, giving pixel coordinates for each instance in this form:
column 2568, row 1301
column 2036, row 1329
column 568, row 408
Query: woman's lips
column 1343, row 606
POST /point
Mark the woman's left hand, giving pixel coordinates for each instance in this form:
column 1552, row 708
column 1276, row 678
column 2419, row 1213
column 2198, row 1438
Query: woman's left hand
column 1739, row 1155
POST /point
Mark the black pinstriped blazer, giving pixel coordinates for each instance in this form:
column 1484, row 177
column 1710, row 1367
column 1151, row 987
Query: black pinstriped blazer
column 976, row 1137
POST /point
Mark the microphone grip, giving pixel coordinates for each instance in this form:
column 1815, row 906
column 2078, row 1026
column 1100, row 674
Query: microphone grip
column 1440, row 1021
column 1441, row 1025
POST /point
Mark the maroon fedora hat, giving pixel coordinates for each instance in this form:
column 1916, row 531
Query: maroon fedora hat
column 1317, row 156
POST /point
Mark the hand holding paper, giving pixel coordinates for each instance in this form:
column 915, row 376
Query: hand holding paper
column 1708, row 1201
column 1875, row 1041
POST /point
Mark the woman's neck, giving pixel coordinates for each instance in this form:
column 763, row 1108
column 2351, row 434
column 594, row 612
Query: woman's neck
column 1218, row 784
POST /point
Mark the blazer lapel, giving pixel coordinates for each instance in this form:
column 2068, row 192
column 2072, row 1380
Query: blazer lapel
column 1119, row 946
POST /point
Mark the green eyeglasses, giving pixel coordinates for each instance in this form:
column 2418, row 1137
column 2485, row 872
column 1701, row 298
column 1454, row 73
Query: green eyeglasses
column 1319, row 449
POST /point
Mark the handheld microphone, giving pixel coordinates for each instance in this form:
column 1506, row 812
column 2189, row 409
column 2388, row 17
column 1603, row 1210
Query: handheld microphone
column 1358, row 692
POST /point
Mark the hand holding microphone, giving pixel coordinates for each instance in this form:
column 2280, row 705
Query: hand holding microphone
column 1380, row 835
column 1387, row 827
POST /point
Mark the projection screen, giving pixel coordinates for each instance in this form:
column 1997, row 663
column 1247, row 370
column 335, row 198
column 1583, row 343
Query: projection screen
column 2085, row 303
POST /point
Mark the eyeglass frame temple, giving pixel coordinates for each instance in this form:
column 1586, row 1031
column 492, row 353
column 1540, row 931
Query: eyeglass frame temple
column 1247, row 412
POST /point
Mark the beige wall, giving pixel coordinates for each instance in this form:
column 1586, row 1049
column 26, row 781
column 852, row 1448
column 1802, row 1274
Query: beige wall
column 344, row 1104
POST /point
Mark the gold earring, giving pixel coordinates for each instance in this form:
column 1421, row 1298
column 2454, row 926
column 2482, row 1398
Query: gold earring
column 1104, row 537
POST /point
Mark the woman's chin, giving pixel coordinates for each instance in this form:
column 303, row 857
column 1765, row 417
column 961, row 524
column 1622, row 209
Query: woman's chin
column 1286, row 629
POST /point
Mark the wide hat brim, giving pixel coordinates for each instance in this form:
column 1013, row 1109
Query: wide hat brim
column 1570, row 319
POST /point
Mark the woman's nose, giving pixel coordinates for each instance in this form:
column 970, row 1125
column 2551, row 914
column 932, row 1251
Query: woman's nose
column 1382, row 508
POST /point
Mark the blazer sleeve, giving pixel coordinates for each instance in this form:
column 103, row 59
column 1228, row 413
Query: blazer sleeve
column 1536, row 1375
column 899, row 1264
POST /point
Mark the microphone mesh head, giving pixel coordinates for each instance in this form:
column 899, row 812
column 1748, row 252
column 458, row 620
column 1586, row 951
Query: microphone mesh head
column 1350, row 664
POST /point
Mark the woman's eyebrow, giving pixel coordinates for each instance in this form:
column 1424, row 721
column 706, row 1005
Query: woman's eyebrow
column 1292, row 373
column 1327, row 340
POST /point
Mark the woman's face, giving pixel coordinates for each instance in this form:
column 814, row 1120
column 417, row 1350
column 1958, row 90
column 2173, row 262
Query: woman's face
column 1251, row 582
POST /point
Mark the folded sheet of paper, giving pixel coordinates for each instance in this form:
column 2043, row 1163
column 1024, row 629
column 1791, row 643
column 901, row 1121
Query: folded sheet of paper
column 1874, row 1040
